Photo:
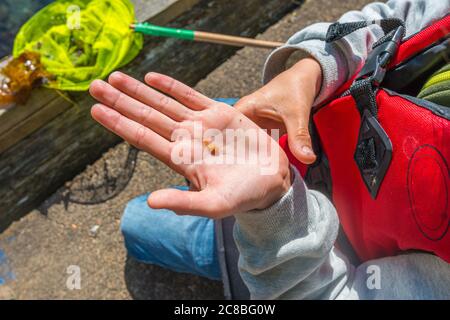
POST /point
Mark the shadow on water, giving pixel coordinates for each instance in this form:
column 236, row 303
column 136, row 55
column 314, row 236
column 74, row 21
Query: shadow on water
column 148, row 282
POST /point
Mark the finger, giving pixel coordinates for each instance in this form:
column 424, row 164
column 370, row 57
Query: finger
column 299, row 139
column 133, row 132
column 199, row 203
column 183, row 93
column 141, row 92
column 132, row 109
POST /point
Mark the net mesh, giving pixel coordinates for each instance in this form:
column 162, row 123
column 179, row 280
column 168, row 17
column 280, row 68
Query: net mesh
column 80, row 40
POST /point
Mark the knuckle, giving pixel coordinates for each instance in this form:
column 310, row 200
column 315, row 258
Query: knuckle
column 164, row 101
column 140, row 137
column 137, row 88
column 115, row 98
column 191, row 94
column 302, row 133
column 171, row 84
column 146, row 114
column 176, row 132
column 188, row 114
column 115, row 122
column 201, row 117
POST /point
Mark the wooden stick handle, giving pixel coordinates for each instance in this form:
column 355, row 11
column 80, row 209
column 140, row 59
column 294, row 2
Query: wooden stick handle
column 234, row 41
column 158, row 31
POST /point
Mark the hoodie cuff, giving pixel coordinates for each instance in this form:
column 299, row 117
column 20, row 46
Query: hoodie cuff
column 329, row 56
column 279, row 223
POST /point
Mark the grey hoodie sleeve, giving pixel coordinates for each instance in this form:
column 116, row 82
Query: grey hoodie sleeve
column 341, row 59
column 287, row 252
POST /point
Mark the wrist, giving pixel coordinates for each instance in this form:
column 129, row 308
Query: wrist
column 281, row 187
column 297, row 86
column 308, row 72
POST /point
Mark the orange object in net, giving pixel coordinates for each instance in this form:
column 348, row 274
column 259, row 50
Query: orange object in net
column 19, row 76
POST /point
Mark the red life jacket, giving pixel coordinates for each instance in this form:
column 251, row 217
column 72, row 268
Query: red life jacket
column 383, row 154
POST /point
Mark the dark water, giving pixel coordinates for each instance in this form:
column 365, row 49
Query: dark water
column 13, row 13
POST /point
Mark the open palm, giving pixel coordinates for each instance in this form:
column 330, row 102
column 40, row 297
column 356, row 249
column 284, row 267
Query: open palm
column 233, row 165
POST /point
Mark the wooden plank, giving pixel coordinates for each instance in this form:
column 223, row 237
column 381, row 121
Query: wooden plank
column 14, row 116
column 39, row 164
column 48, row 110
column 174, row 9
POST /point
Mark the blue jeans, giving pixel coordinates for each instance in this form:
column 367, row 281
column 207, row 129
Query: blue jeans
column 179, row 243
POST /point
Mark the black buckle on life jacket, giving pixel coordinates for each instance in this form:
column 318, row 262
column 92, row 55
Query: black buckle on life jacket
column 373, row 152
column 379, row 58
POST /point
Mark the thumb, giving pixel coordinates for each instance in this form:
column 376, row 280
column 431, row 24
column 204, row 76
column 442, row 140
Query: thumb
column 257, row 108
column 199, row 203
column 299, row 138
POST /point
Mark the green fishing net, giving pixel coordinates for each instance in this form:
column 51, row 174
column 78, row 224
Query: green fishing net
column 80, row 40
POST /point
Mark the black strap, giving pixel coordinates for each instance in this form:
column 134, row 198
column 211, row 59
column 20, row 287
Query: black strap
column 388, row 36
column 373, row 152
column 364, row 88
column 338, row 30
column 364, row 94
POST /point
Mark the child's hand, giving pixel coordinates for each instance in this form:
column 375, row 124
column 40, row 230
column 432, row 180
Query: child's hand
column 168, row 129
column 285, row 104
